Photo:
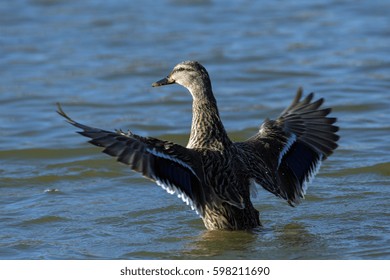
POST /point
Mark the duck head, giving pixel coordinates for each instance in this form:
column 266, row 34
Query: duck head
column 189, row 74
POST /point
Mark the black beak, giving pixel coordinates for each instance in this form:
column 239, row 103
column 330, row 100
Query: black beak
column 163, row 82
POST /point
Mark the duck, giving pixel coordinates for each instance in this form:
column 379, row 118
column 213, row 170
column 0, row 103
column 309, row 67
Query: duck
column 214, row 175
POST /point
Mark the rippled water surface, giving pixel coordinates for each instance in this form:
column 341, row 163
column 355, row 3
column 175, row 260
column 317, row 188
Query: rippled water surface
column 60, row 198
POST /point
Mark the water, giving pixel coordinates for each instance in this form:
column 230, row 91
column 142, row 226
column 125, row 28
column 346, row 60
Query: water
column 62, row 199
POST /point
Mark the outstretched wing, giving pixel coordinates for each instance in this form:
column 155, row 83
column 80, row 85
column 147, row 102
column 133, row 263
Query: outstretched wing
column 171, row 166
column 287, row 152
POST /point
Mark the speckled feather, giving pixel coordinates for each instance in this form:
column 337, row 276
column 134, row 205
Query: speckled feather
column 214, row 175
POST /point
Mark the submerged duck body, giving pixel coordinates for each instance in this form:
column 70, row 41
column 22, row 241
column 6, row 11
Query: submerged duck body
column 214, row 175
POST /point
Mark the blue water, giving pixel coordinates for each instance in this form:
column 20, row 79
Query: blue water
column 60, row 198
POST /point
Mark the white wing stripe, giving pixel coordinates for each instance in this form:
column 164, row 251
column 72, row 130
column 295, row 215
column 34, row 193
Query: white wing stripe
column 162, row 155
column 312, row 172
column 287, row 146
column 171, row 189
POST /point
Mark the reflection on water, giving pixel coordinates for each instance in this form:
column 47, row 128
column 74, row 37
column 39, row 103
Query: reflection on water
column 222, row 244
column 294, row 235
column 293, row 239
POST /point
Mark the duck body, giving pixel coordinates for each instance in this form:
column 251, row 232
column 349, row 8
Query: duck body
column 227, row 204
column 214, row 175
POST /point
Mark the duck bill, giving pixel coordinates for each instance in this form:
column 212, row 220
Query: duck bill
column 163, row 82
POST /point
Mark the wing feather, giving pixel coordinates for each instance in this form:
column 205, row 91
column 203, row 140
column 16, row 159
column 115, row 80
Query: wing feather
column 285, row 154
column 171, row 166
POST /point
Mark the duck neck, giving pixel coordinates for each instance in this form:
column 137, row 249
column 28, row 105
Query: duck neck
column 207, row 130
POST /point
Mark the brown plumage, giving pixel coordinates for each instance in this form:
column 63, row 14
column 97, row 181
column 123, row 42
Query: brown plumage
column 213, row 174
